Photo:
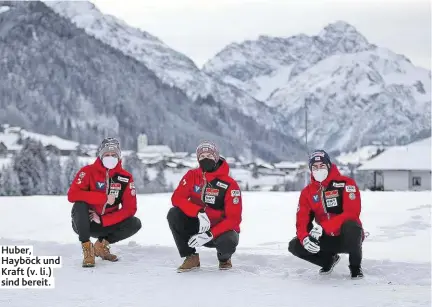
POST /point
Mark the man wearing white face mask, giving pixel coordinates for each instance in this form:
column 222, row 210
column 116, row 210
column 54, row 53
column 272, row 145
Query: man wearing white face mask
column 333, row 200
column 97, row 192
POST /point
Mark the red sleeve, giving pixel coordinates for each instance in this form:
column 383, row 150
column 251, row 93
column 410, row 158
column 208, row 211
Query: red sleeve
column 181, row 195
column 233, row 211
column 128, row 209
column 302, row 216
column 80, row 190
column 351, row 208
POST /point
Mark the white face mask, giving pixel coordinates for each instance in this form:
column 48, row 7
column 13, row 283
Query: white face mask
column 110, row 162
column 320, row 175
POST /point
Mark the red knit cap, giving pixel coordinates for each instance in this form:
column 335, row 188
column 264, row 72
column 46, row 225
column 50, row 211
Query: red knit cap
column 208, row 147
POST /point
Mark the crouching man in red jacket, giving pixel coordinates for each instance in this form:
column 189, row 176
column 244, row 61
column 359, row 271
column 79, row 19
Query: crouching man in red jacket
column 334, row 202
column 97, row 192
column 207, row 210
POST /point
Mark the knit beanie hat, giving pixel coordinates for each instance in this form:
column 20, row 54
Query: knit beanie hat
column 109, row 145
column 208, row 147
column 319, row 156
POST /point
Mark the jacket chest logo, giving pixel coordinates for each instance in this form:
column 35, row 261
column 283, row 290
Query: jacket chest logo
column 100, row 185
column 315, row 198
column 331, row 194
column 211, row 192
column 115, row 186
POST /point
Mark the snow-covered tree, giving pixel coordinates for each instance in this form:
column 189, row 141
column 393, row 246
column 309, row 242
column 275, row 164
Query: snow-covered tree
column 9, row 182
column 30, row 164
column 56, row 180
column 138, row 170
column 71, row 168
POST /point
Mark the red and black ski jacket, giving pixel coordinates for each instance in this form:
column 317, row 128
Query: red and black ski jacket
column 94, row 182
column 216, row 192
column 334, row 201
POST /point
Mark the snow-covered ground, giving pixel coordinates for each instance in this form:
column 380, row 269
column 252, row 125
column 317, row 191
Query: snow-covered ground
column 396, row 258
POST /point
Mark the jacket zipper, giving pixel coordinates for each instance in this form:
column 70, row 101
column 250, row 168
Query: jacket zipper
column 203, row 190
column 106, row 190
column 323, row 205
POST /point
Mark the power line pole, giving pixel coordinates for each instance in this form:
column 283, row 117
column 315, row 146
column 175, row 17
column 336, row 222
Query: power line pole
column 306, row 139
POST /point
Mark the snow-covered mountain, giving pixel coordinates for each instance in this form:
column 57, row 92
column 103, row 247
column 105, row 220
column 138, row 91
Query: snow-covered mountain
column 356, row 93
column 263, row 65
column 359, row 99
column 59, row 79
column 171, row 67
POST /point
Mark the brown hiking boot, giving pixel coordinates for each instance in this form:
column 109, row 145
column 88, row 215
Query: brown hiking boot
column 88, row 254
column 102, row 250
column 190, row 263
column 225, row 265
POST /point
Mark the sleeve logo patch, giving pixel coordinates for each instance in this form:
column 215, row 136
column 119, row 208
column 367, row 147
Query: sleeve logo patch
column 235, row 193
column 236, row 200
column 352, row 196
column 350, row 189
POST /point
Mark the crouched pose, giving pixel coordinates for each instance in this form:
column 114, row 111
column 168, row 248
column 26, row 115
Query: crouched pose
column 97, row 192
column 207, row 209
column 334, row 202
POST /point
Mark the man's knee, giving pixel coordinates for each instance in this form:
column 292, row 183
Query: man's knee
column 175, row 215
column 294, row 246
column 227, row 241
column 352, row 235
column 135, row 224
column 80, row 207
column 351, row 228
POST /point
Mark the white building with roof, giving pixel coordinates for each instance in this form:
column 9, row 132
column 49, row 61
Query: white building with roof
column 152, row 150
column 402, row 168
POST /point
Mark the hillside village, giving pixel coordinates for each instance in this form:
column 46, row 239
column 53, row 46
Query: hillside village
column 253, row 175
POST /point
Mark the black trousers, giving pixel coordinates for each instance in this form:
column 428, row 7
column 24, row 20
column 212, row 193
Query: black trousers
column 183, row 227
column 85, row 229
column 348, row 242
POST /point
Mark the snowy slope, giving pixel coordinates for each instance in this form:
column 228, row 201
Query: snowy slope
column 371, row 94
column 170, row 66
column 396, row 258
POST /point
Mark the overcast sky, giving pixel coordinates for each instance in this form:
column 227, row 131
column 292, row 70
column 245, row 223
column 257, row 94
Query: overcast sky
column 201, row 28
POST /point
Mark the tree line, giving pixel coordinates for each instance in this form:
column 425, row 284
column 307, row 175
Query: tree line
column 34, row 170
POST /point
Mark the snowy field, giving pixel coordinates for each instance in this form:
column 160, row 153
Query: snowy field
column 396, row 258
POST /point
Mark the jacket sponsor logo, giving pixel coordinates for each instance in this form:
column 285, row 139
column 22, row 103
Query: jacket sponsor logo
column 338, row 184
column 236, row 200
column 114, row 192
column 100, row 185
column 331, row 202
column 315, row 198
column 123, row 179
column 210, row 199
column 352, row 196
column 331, row 194
column 222, row 185
column 115, row 186
column 235, row 193
column 212, row 192
column 197, row 189
column 350, row 189
column 132, row 186
column 80, row 177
